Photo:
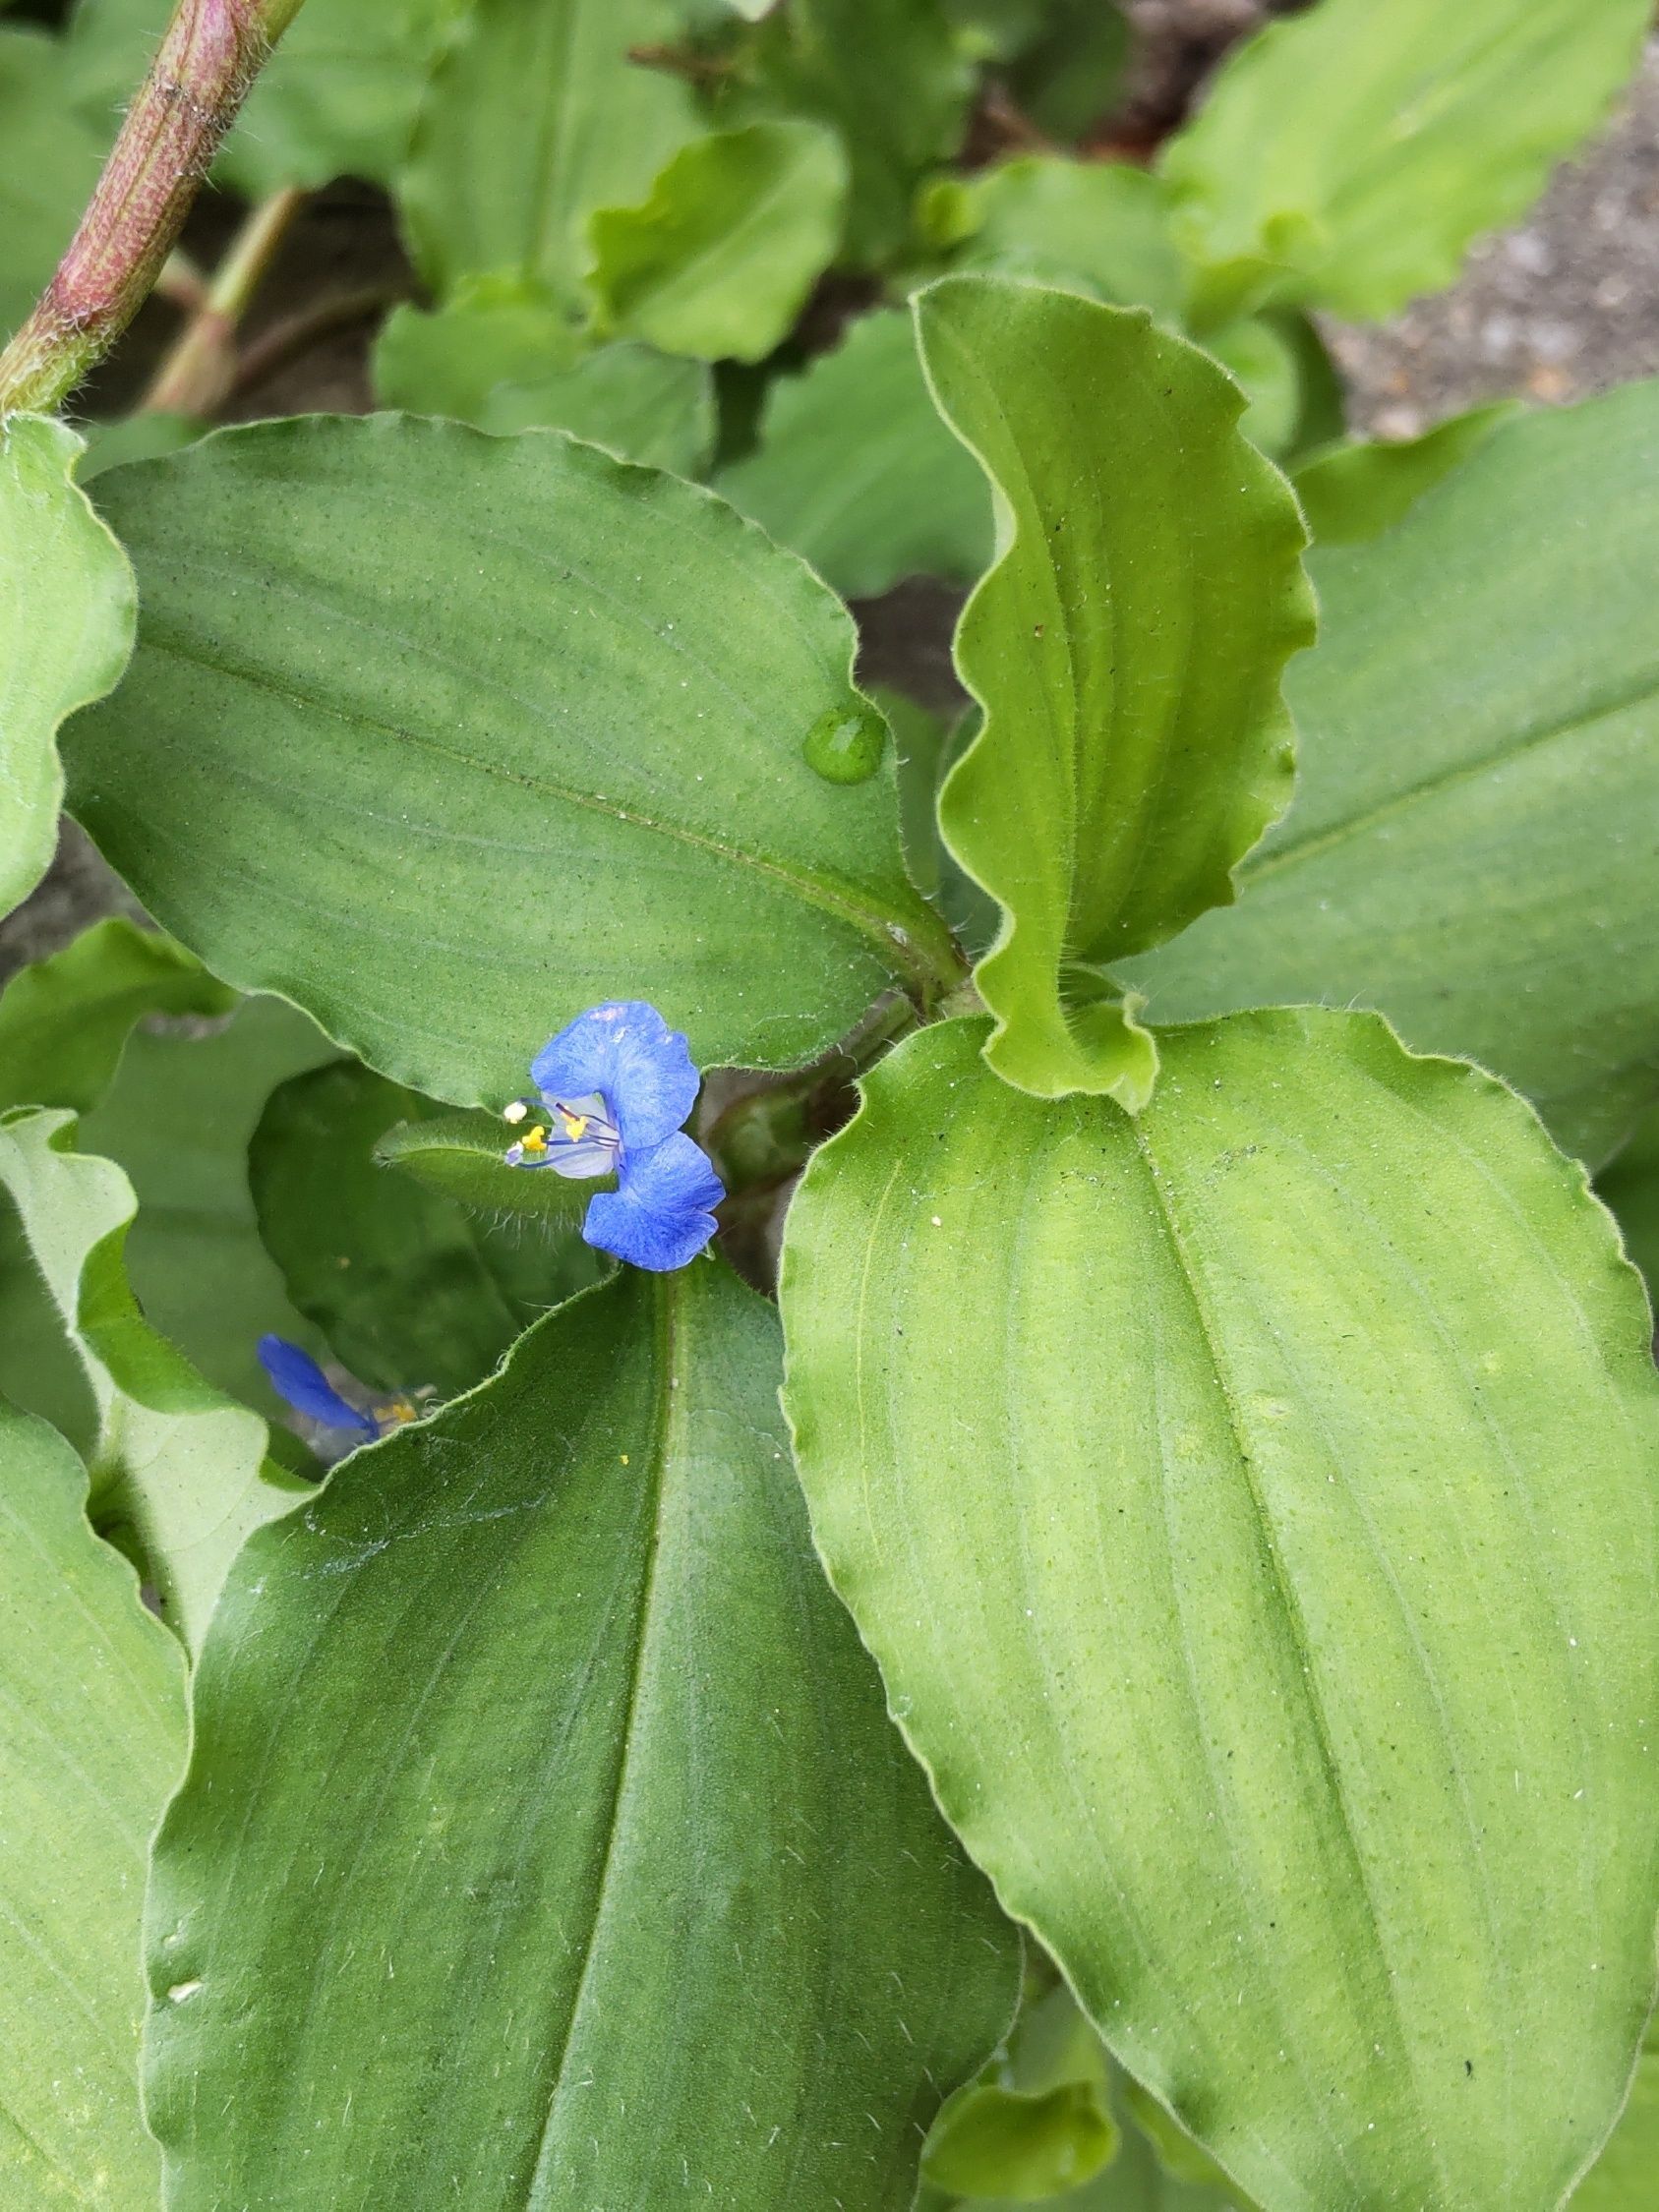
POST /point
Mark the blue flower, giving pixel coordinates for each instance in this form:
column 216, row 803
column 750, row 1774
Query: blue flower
column 616, row 1084
column 301, row 1383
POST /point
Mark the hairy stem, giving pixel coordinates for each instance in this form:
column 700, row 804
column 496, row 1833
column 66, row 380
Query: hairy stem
column 200, row 372
column 211, row 53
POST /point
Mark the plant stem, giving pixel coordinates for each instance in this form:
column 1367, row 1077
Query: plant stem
column 213, row 51
column 200, row 372
column 182, row 284
column 284, row 341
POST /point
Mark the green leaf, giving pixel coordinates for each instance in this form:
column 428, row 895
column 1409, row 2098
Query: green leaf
column 39, row 1372
column 718, row 259
column 1128, row 649
column 341, row 94
column 66, row 630
column 1261, row 361
column 180, row 1475
column 1215, row 1554
column 1157, row 2168
column 472, row 734
column 888, row 76
column 499, row 356
column 91, row 1745
column 1477, row 822
column 1070, row 76
column 410, row 1290
column 1100, row 227
column 1321, row 397
column 338, row 97
column 856, row 472
column 1027, row 2148
column 1622, row 2179
column 1631, row 1187
column 537, row 118
column 1354, row 491
column 49, row 167
column 178, row 1120
column 630, row 1859
column 1348, row 157
column 65, row 1020
column 143, row 436
column 1037, row 2124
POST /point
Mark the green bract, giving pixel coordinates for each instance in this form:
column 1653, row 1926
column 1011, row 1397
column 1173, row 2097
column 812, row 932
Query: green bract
column 622, row 1921
column 1184, row 1474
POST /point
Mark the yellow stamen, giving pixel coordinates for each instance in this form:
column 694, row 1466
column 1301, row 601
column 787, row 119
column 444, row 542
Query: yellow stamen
column 535, row 1139
column 576, row 1124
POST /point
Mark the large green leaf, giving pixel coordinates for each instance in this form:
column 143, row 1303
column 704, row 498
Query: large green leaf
column 1251, row 1507
column 718, row 261
column 500, row 357
column 178, row 1120
column 411, row 1290
column 65, row 1020
column 49, row 162
column 1348, row 157
column 889, row 75
column 180, row 1475
column 91, row 1744
column 448, row 738
column 66, row 630
column 1478, row 825
column 535, row 1759
column 856, row 472
column 1128, row 649
column 1357, row 489
column 535, row 119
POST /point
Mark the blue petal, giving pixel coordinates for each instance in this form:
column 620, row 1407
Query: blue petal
column 625, row 1051
column 296, row 1377
column 659, row 1217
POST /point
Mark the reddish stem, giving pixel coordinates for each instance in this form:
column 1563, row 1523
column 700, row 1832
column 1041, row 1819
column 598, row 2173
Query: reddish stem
column 211, row 53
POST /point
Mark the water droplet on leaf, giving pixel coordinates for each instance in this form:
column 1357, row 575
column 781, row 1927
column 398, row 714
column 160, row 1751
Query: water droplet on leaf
column 845, row 745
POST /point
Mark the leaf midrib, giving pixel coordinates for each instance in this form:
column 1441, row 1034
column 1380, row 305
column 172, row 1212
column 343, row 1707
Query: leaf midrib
column 1319, row 841
column 1290, row 1614
column 671, row 1416
column 893, row 932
